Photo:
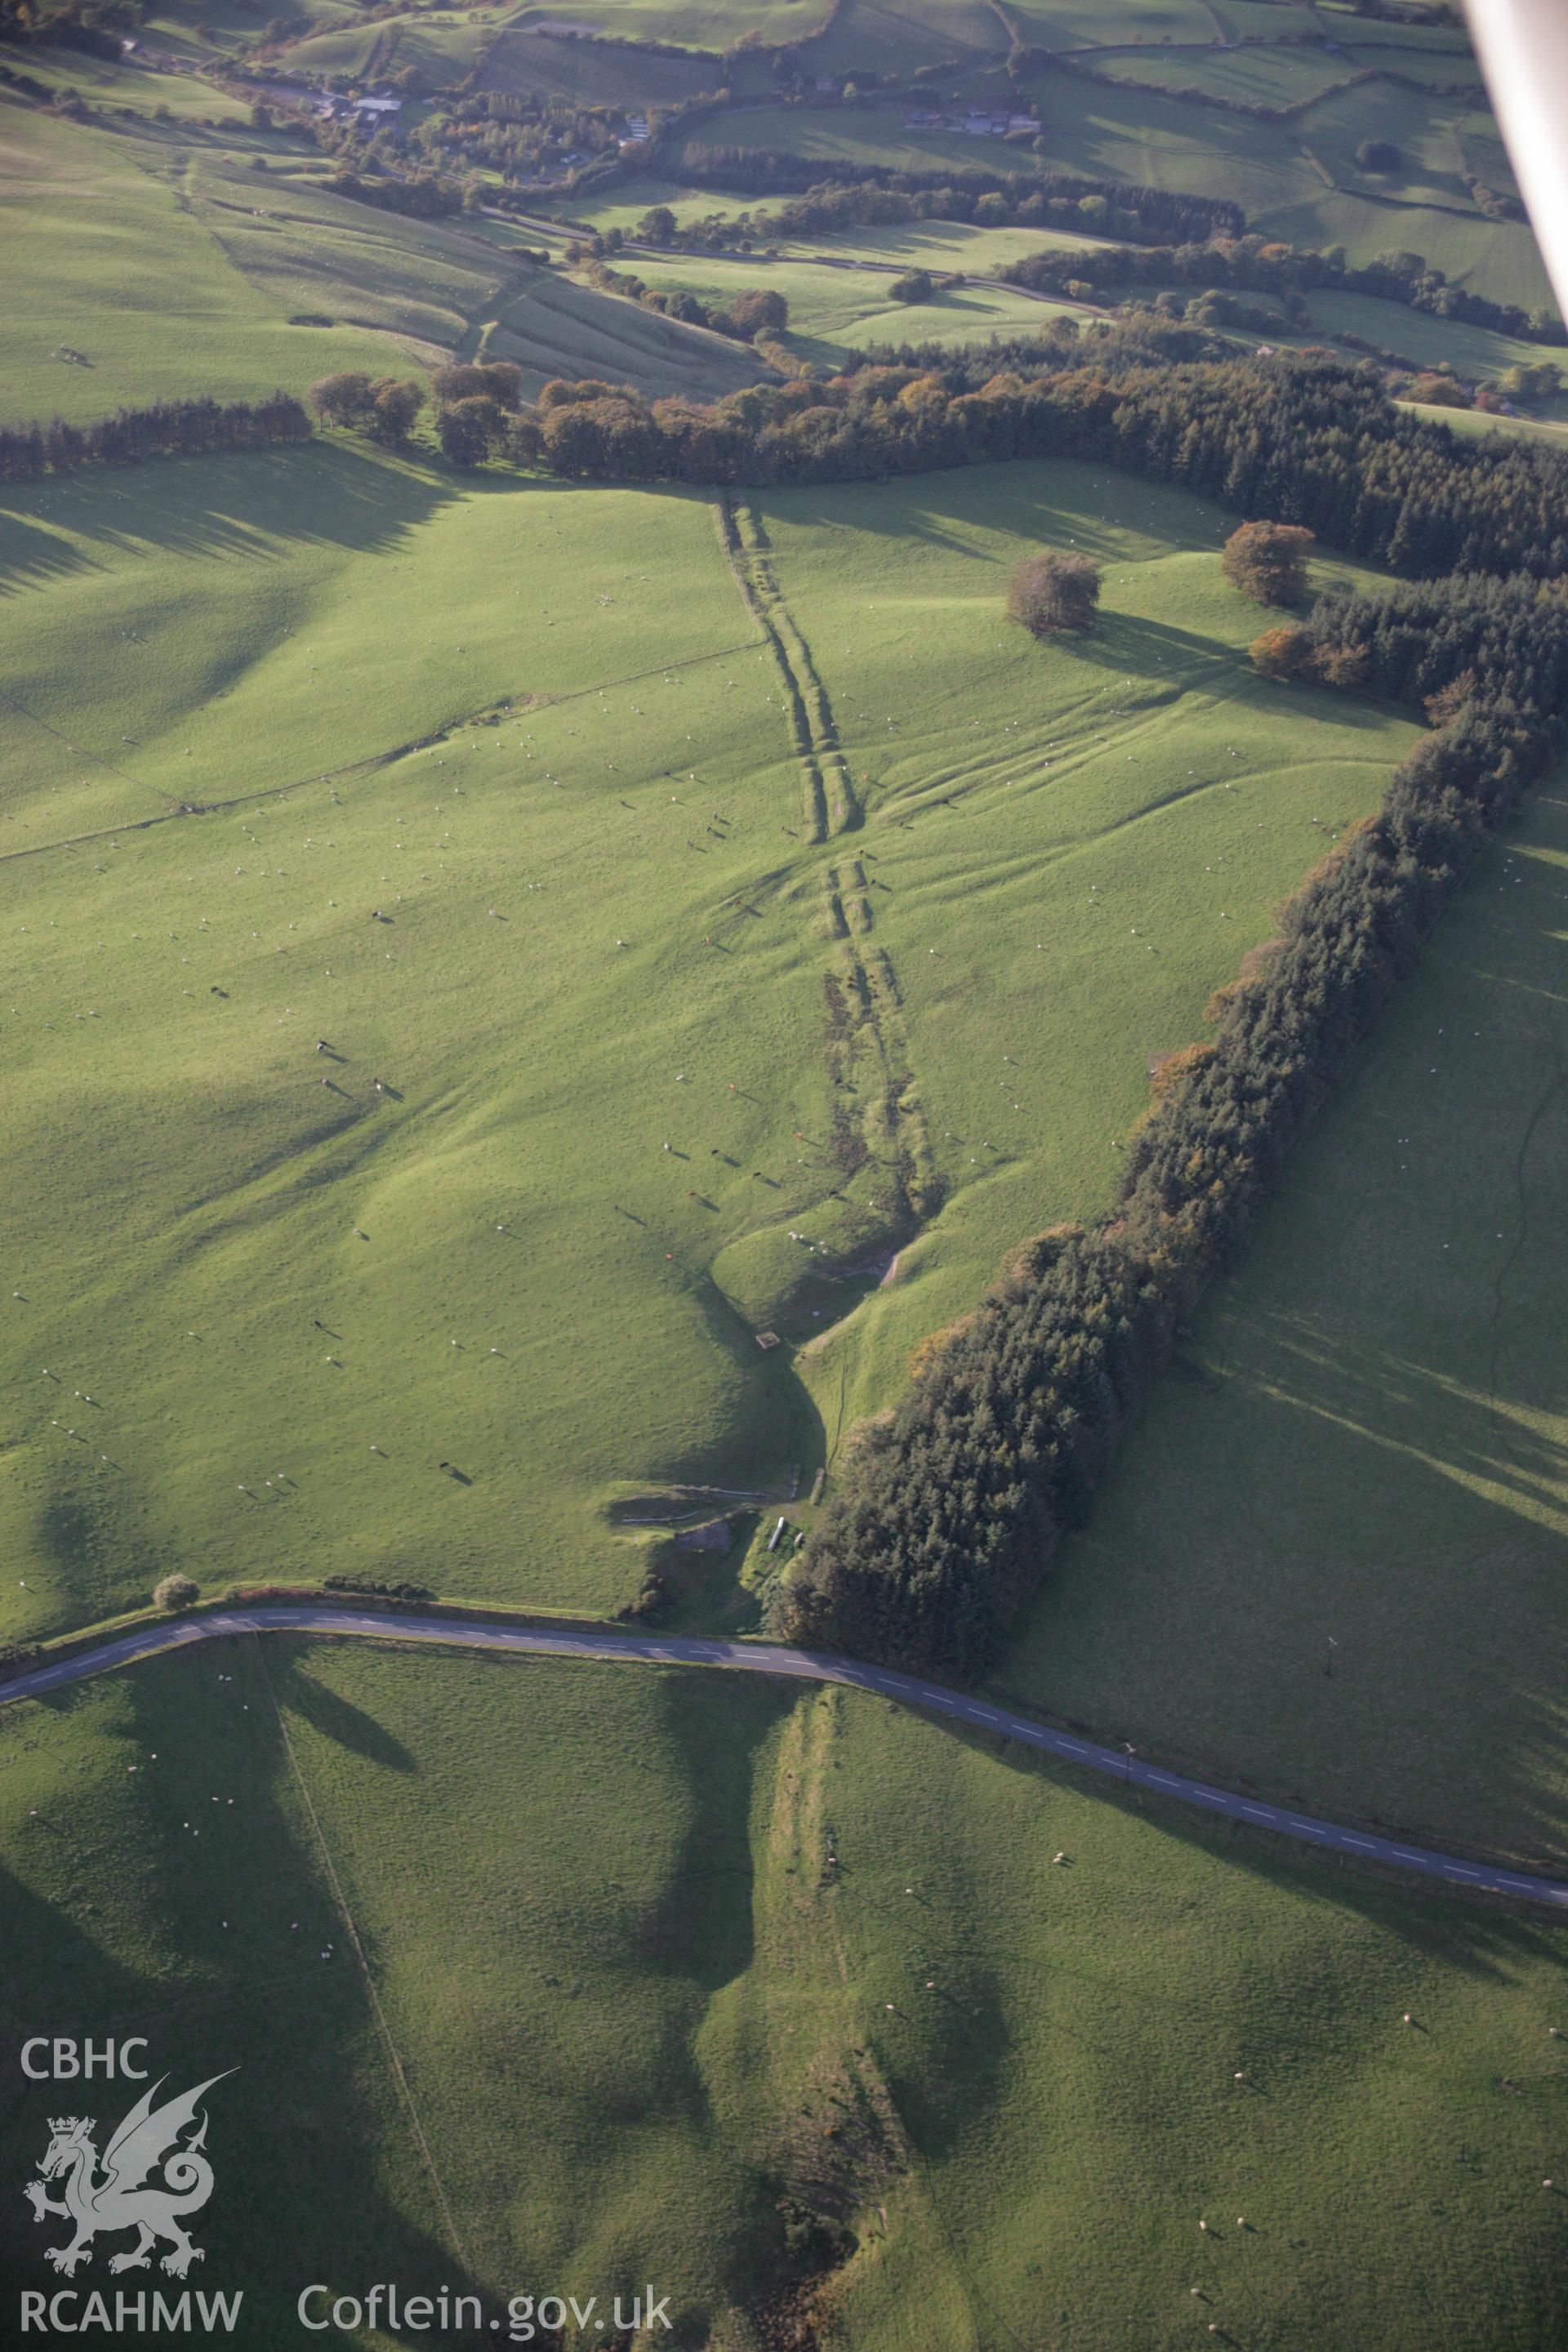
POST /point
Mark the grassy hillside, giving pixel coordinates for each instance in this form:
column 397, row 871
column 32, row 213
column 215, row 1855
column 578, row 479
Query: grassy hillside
column 1139, row 135
column 1078, row 25
column 1298, row 179
column 1066, row 845
column 695, row 23
column 437, row 55
column 112, row 259
column 111, row 89
column 1473, row 351
column 516, row 995
column 170, row 265
column 834, row 312
column 552, row 326
column 592, row 73
column 496, row 1262
column 897, row 37
column 672, row 1965
column 934, row 244
column 1365, row 1441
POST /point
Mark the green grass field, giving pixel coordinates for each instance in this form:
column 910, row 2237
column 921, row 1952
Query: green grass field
column 111, row 87
column 552, row 326
column 656, row 1951
column 1075, row 909
column 1477, row 353
column 1297, row 181
column 1282, row 77
column 116, row 259
column 169, row 266
column 691, row 24
column 934, row 244
column 438, row 55
column 1366, row 1441
column 1074, row 832
column 588, row 73
column 895, row 37
column 1471, row 424
column 834, row 312
column 1078, row 25
column 843, row 313
column 461, row 986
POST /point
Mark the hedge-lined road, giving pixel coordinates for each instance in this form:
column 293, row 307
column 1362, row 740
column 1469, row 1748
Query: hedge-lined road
column 772, row 1658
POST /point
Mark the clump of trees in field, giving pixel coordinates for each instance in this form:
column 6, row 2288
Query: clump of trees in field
column 914, row 286
column 1412, row 641
column 377, row 1587
column 386, row 407
column 1268, row 562
column 476, row 404
column 1056, row 590
column 497, row 379
column 418, row 195
column 168, row 429
column 477, row 401
column 175, row 1591
column 1531, row 382
column 94, row 31
column 760, row 310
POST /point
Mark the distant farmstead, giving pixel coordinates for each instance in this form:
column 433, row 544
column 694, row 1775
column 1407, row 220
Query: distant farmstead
column 367, row 112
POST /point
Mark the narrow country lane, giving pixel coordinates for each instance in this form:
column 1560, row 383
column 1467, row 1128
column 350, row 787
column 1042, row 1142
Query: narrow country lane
column 803, row 1665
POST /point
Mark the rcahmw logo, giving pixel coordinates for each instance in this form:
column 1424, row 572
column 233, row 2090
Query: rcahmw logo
column 153, row 2174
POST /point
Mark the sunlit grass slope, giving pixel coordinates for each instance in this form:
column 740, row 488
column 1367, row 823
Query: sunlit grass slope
column 658, row 1071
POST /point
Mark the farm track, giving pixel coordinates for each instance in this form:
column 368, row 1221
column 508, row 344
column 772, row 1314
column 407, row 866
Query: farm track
column 873, row 1101
column 968, row 1710
column 831, row 806
column 876, row 1108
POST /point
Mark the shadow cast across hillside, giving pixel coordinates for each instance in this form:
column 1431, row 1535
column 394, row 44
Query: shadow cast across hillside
column 1329, row 1562
column 1290, row 1482
column 1486, row 1936
column 253, row 505
column 938, row 510
column 333, row 1715
column 108, row 1935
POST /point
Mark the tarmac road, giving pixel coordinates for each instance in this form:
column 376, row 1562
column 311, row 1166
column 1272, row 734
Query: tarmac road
column 772, row 1658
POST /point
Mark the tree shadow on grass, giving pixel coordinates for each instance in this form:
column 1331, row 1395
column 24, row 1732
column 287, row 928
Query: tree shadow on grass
column 1484, row 1935
column 113, row 1929
column 1369, row 1474
column 333, row 491
column 1318, row 1484
column 703, row 1929
column 942, row 509
column 233, row 507
column 328, row 1712
column 1126, row 646
column 768, row 1374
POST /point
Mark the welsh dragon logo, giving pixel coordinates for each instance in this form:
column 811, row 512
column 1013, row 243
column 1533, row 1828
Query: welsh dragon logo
column 123, row 2197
